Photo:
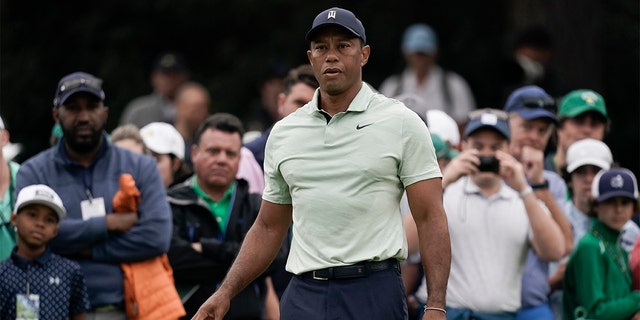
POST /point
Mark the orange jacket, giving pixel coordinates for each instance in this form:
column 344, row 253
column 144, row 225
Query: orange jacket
column 149, row 288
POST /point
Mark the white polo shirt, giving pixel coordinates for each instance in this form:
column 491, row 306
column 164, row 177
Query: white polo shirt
column 489, row 242
column 344, row 178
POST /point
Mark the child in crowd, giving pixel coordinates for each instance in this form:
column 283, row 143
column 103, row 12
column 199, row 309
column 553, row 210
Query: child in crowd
column 34, row 282
column 597, row 281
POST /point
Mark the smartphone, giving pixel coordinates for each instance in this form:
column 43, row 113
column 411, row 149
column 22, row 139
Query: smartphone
column 489, row 164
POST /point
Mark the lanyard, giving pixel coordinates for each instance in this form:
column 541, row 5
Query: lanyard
column 87, row 181
column 223, row 232
column 28, row 271
column 617, row 255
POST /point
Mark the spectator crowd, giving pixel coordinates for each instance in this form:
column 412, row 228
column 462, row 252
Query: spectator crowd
column 147, row 221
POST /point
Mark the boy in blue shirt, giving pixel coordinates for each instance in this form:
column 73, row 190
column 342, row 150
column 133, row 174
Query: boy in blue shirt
column 34, row 282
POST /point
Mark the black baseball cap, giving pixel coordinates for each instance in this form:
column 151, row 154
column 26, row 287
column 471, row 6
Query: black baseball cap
column 340, row 17
column 170, row 62
column 77, row 82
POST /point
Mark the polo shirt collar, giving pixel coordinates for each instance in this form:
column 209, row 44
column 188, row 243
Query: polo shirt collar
column 22, row 263
column 504, row 192
column 360, row 101
column 607, row 233
column 67, row 161
column 206, row 197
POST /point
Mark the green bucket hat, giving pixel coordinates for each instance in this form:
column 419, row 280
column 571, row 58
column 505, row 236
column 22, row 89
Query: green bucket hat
column 443, row 150
column 580, row 101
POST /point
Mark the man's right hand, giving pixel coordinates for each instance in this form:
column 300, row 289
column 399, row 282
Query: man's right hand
column 121, row 221
column 214, row 308
column 464, row 164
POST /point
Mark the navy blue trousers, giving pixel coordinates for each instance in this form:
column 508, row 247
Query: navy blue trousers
column 378, row 296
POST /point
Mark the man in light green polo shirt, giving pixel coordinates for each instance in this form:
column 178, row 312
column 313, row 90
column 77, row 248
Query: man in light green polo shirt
column 337, row 168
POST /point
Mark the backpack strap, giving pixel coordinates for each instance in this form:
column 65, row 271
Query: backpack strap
column 446, row 91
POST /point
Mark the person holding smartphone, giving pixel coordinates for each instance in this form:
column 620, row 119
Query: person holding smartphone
column 494, row 217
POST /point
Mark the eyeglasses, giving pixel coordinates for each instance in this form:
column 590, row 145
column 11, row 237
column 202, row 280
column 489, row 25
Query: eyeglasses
column 535, row 103
column 480, row 112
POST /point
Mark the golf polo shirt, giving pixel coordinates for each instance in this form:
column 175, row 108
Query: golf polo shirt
column 344, row 176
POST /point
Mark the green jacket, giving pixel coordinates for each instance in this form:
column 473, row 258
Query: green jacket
column 597, row 281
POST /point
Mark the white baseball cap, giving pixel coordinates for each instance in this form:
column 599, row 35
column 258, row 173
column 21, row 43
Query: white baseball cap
column 163, row 138
column 442, row 124
column 40, row 194
column 588, row 152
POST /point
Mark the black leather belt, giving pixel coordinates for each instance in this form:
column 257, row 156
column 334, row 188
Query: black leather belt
column 358, row 270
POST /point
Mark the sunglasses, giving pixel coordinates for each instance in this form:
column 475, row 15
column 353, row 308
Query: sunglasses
column 536, row 103
column 80, row 82
column 71, row 84
column 477, row 114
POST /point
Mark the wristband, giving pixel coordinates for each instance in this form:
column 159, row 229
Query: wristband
column 427, row 308
column 526, row 191
column 543, row 185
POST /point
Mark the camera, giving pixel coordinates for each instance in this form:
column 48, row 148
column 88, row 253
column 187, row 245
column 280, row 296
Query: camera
column 489, row 164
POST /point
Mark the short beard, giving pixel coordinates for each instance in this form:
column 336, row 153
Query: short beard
column 82, row 146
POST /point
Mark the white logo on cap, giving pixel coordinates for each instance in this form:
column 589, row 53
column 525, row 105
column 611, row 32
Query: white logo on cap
column 331, row 15
column 617, row 182
column 489, row 118
column 589, row 97
column 44, row 194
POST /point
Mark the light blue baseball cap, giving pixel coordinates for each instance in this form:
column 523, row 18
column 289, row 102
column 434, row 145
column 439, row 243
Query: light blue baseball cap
column 420, row 38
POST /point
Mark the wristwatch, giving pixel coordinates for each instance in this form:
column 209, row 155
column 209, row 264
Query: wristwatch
column 539, row 186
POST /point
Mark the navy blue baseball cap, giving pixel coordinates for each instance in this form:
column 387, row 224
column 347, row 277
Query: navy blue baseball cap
column 615, row 182
column 171, row 62
column 77, row 82
column 531, row 102
column 340, row 17
column 487, row 118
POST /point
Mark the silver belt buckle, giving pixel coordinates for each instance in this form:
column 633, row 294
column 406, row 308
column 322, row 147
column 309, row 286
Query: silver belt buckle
column 318, row 278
